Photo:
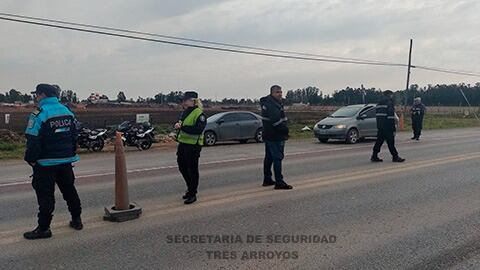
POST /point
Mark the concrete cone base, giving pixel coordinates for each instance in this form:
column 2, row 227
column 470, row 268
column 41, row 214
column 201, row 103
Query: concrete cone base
column 122, row 215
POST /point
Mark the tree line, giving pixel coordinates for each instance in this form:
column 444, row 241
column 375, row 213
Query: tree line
column 14, row 96
column 432, row 95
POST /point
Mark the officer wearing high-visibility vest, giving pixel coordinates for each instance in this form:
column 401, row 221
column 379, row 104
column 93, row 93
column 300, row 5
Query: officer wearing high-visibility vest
column 51, row 145
column 190, row 129
column 386, row 128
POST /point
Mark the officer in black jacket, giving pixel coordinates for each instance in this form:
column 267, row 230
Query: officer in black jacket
column 417, row 112
column 51, row 145
column 275, row 133
column 385, row 113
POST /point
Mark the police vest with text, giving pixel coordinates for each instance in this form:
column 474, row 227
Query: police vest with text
column 190, row 120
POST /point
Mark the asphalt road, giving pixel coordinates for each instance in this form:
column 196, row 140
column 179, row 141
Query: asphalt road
column 343, row 213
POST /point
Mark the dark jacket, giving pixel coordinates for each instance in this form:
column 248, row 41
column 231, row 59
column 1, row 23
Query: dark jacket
column 417, row 111
column 274, row 121
column 51, row 134
column 385, row 113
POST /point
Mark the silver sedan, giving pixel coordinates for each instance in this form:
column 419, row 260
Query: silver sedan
column 233, row 126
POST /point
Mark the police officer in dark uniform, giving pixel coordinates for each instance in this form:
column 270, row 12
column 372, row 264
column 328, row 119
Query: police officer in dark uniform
column 51, row 146
column 275, row 133
column 385, row 113
column 190, row 129
column 417, row 112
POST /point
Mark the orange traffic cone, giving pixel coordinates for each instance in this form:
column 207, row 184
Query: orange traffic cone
column 402, row 122
column 123, row 209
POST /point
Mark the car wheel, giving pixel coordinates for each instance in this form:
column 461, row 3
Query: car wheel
column 210, row 138
column 259, row 135
column 352, row 136
column 323, row 140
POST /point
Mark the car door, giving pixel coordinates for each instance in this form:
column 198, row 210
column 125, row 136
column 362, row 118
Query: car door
column 248, row 125
column 370, row 123
column 229, row 127
column 366, row 122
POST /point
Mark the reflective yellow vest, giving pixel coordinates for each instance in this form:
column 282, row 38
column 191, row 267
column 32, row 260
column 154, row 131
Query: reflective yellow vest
column 191, row 119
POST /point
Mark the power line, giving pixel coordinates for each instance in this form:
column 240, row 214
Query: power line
column 449, row 71
column 202, row 46
column 190, row 39
column 334, row 59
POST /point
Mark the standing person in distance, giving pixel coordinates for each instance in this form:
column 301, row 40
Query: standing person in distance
column 190, row 129
column 417, row 112
column 275, row 133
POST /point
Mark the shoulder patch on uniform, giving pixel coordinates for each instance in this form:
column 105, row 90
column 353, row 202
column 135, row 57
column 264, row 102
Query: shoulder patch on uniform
column 202, row 118
column 36, row 111
column 31, row 123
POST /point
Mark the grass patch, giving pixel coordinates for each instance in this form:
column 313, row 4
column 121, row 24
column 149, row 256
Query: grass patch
column 296, row 130
column 445, row 122
column 11, row 150
column 163, row 129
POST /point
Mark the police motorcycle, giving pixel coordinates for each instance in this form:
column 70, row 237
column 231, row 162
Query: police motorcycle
column 140, row 135
column 93, row 140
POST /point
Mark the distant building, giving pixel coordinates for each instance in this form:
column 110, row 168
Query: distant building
column 96, row 98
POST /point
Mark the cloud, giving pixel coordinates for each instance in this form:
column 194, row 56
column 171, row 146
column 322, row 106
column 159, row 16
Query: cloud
column 445, row 33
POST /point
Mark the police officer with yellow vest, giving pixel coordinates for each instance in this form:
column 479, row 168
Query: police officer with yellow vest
column 190, row 129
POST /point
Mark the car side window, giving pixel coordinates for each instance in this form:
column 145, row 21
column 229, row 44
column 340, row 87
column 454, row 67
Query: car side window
column 246, row 117
column 370, row 113
column 367, row 111
column 231, row 117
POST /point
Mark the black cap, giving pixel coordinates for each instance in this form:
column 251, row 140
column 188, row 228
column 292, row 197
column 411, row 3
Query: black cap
column 47, row 89
column 189, row 95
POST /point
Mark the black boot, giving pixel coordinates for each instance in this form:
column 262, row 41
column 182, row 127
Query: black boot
column 283, row 186
column 190, row 199
column 38, row 234
column 186, row 195
column 76, row 223
column 375, row 158
column 267, row 183
column 398, row 159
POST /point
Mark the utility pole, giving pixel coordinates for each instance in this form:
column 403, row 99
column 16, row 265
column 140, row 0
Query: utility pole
column 407, row 86
column 363, row 94
column 408, row 72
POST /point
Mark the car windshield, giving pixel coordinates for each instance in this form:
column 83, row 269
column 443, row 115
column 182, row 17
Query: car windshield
column 346, row 112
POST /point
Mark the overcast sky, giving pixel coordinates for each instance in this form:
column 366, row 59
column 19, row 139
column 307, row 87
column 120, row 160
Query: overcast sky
column 445, row 34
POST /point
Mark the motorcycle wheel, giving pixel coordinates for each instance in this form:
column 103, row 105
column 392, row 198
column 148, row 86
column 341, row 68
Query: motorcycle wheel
column 98, row 146
column 146, row 144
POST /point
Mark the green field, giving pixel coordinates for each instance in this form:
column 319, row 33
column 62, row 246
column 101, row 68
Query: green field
column 16, row 150
column 445, row 122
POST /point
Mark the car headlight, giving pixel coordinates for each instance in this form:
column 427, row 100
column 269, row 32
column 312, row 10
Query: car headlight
column 340, row 126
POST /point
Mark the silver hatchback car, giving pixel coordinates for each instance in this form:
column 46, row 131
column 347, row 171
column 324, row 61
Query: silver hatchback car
column 233, row 126
column 349, row 123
